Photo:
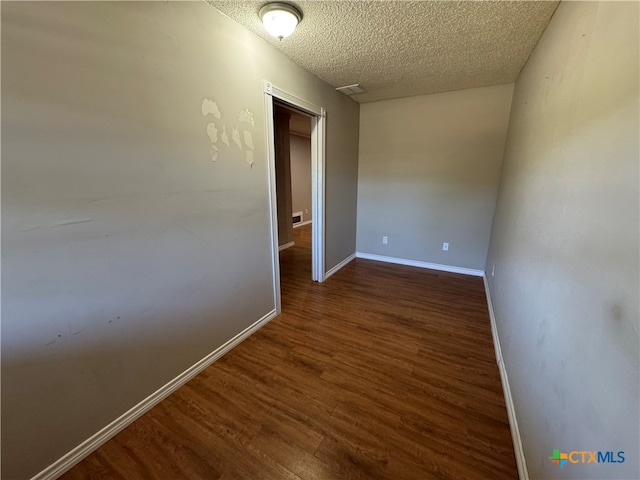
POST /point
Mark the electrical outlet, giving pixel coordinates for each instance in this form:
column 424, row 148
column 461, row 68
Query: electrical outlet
column 306, row 210
column 445, row 246
column 493, row 270
column 385, row 240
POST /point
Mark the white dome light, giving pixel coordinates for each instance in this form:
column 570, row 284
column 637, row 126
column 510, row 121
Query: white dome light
column 280, row 19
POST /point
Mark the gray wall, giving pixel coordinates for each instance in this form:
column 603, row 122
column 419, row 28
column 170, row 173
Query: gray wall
column 301, row 175
column 128, row 253
column 565, row 242
column 341, row 183
column 282, row 140
column 429, row 168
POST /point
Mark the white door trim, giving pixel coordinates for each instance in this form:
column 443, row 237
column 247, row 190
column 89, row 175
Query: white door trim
column 318, row 125
column 318, row 128
column 273, row 218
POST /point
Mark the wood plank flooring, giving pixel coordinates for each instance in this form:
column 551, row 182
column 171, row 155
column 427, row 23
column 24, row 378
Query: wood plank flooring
column 382, row 372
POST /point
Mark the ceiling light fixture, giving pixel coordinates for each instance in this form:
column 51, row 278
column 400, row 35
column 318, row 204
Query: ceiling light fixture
column 280, row 19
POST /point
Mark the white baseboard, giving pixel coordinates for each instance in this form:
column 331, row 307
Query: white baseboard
column 521, row 463
column 415, row 263
column 285, row 246
column 339, row 266
column 87, row 447
column 302, row 224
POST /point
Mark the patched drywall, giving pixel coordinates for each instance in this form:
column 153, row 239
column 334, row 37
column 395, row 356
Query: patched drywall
column 210, row 107
column 128, row 254
column 429, row 169
column 565, row 243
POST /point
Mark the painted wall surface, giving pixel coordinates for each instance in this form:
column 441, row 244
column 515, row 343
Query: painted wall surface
column 135, row 221
column 429, row 169
column 341, row 184
column 565, row 242
column 283, row 175
column 301, row 175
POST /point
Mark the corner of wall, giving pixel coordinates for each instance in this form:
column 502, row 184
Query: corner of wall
column 508, row 399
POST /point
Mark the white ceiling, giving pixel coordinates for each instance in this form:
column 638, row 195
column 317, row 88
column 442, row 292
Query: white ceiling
column 404, row 48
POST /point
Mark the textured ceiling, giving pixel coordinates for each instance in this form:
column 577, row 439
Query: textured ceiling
column 403, row 48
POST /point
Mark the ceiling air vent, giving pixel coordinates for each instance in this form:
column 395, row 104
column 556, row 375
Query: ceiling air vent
column 351, row 89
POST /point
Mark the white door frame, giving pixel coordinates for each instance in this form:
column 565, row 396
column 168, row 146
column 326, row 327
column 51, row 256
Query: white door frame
column 318, row 120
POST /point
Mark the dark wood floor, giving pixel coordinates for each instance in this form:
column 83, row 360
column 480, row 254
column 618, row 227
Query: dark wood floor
column 382, row 372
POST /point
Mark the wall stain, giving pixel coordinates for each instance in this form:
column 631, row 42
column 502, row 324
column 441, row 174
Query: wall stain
column 72, row 221
column 190, row 233
column 63, row 223
column 616, row 313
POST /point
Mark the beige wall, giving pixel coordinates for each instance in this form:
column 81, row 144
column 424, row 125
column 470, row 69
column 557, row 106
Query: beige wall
column 565, row 242
column 301, row 175
column 128, row 254
column 429, row 169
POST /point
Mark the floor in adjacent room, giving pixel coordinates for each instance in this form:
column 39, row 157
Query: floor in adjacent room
column 383, row 371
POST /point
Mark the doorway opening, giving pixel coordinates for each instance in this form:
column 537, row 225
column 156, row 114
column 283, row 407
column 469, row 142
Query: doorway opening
column 281, row 108
column 292, row 131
